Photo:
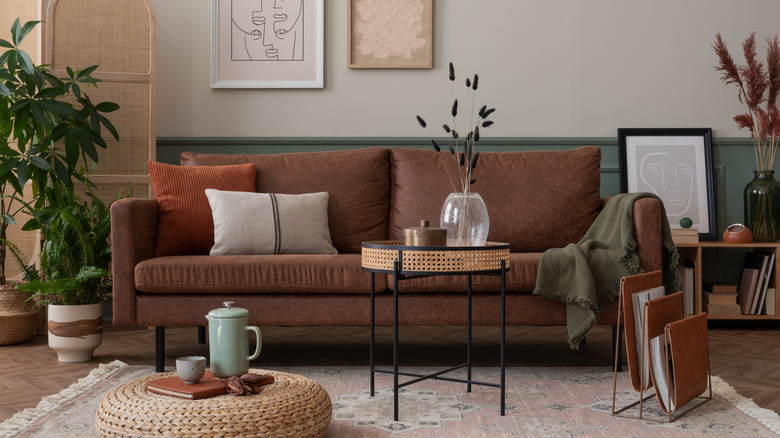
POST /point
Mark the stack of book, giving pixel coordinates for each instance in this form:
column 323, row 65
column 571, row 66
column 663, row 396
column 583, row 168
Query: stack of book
column 685, row 235
column 754, row 295
column 720, row 299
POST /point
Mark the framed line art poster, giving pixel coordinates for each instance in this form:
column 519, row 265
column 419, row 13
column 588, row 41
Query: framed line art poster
column 389, row 33
column 267, row 43
column 676, row 165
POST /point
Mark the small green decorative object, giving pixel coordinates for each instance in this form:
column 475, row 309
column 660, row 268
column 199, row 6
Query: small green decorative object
column 686, row 222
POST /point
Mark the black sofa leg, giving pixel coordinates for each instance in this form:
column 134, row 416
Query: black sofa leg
column 617, row 351
column 201, row 334
column 159, row 348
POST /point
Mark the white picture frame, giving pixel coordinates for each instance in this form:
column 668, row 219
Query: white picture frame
column 290, row 55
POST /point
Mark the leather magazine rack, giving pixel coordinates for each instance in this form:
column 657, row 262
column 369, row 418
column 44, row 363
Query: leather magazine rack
column 665, row 351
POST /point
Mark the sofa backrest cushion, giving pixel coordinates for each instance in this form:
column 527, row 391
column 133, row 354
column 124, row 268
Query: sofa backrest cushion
column 357, row 182
column 185, row 225
column 536, row 200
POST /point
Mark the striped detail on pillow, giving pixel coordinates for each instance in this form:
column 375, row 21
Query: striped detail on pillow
column 277, row 224
column 185, row 224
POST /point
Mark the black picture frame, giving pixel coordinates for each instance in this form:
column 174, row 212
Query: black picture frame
column 676, row 165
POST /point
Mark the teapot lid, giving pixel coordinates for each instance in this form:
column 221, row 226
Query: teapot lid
column 229, row 311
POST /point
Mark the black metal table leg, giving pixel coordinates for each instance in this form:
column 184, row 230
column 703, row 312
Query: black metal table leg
column 395, row 338
column 468, row 342
column 372, row 335
column 503, row 336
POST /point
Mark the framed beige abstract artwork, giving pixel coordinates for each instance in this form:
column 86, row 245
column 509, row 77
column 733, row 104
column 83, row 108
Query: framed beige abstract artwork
column 267, row 44
column 390, row 34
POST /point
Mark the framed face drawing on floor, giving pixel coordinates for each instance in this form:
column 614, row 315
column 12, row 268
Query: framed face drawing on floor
column 676, row 165
column 267, row 44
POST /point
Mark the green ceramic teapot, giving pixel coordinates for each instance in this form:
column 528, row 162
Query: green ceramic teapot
column 229, row 340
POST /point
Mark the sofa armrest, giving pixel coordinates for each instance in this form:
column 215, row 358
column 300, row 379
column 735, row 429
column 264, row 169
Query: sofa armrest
column 648, row 232
column 133, row 239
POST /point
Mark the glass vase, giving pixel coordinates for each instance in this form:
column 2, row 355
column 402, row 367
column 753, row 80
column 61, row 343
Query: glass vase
column 762, row 206
column 465, row 218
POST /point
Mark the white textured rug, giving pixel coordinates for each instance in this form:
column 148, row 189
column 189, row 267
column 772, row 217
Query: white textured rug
column 541, row 402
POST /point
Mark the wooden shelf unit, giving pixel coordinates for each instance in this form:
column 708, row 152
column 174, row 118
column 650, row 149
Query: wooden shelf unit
column 693, row 252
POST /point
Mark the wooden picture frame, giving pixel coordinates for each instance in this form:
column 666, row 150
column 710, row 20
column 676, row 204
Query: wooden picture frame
column 392, row 34
column 676, row 165
column 282, row 48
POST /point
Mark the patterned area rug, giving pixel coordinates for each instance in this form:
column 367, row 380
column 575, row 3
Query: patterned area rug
column 541, row 402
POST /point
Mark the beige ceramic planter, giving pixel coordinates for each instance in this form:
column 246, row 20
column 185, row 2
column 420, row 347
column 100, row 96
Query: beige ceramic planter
column 75, row 331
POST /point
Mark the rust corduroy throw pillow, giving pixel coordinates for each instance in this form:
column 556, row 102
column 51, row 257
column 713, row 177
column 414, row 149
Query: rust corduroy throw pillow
column 185, row 224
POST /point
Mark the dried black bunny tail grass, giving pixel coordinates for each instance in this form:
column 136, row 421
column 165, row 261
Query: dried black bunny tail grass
column 472, row 181
column 462, row 159
column 486, row 113
column 421, row 122
column 452, row 150
column 487, row 123
column 482, row 111
column 455, row 108
column 476, row 133
column 455, row 134
column 474, row 160
column 446, row 128
column 452, row 72
column 435, row 145
column 475, row 82
column 468, row 82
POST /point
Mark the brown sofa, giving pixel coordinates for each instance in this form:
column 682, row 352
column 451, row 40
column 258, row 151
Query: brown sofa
column 536, row 200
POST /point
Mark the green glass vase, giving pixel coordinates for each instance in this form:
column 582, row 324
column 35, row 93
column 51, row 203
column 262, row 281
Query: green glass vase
column 762, row 206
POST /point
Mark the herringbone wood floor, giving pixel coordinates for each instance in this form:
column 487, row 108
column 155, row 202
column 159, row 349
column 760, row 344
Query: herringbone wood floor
column 745, row 355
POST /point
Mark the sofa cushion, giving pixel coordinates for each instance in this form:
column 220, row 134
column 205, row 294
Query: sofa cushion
column 185, row 225
column 267, row 223
column 315, row 273
column 536, row 200
column 357, row 182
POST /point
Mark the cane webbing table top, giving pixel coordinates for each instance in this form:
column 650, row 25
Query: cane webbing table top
column 291, row 406
column 381, row 255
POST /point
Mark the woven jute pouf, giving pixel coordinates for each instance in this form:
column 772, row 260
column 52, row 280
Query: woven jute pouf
column 292, row 406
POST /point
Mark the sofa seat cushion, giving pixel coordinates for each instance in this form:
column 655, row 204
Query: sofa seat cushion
column 357, row 182
column 311, row 273
column 520, row 278
column 536, row 200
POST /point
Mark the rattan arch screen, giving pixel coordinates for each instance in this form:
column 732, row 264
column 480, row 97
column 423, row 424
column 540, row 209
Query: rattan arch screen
column 120, row 37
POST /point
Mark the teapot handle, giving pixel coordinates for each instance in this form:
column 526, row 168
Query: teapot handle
column 259, row 342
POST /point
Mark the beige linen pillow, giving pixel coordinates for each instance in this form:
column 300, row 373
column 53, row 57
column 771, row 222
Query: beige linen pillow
column 268, row 223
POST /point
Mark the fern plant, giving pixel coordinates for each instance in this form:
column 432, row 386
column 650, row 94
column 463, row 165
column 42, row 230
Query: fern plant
column 75, row 266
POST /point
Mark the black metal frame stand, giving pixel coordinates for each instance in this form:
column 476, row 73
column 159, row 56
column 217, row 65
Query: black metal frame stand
column 399, row 275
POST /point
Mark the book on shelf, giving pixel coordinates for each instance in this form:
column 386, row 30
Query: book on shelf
column 721, row 309
column 685, row 235
column 688, row 287
column 748, row 281
column 207, row 386
column 719, row 287
column 719, row 299
column 761, row 291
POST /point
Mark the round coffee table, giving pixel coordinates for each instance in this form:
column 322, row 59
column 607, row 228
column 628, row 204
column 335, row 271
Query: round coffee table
column 291, row 406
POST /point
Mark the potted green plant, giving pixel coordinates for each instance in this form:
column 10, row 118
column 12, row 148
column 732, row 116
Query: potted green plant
column 74, row 277
column 49, row 131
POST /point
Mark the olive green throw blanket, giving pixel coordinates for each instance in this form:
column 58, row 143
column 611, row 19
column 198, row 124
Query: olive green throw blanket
column 586, row 275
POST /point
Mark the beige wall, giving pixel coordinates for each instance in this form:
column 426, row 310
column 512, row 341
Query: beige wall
column 552, row 68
